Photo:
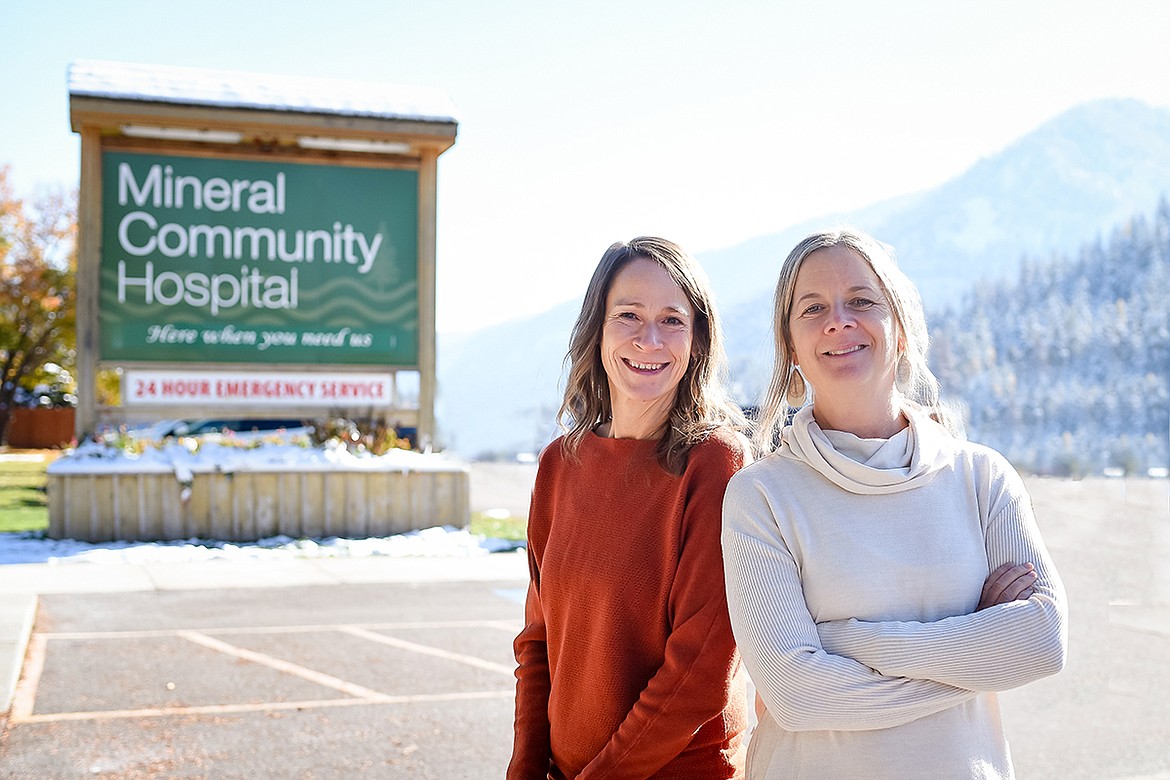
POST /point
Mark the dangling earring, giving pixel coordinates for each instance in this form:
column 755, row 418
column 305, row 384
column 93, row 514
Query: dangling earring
column 903, row 373
column 797, row 388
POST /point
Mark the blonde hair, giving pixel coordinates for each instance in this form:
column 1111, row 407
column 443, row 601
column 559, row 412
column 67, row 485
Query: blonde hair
column 701, row 402
column 788, row 391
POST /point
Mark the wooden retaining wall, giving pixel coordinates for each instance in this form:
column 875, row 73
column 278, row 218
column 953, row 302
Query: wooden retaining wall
column 250, row 505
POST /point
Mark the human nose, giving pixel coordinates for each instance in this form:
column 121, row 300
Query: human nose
column 840, row 318
column 648, row 336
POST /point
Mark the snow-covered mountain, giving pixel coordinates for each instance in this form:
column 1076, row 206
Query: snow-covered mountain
column 1070, row 181
column 499, row 388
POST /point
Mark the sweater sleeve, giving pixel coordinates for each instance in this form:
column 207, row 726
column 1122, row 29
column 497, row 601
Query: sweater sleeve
column 690, row 687
column 804, row 686
column 994, row 649
column 531, row 747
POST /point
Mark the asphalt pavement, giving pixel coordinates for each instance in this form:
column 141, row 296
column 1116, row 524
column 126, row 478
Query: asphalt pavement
column 330, row 669
column 380, row 667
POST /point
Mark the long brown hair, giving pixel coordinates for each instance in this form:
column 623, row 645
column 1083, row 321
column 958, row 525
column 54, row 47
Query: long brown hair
column 701, row 402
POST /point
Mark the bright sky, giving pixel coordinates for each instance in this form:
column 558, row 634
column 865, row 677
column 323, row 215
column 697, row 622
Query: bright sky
column 593, row 122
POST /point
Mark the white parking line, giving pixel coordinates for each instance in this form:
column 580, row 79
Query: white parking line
column 501, row 625
column 25, row 696
column 24, row 699
column 229, row 709
column 329, row 681
column 437, row 652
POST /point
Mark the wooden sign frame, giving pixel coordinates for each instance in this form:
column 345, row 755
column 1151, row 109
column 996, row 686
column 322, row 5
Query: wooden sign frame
column 214, row 114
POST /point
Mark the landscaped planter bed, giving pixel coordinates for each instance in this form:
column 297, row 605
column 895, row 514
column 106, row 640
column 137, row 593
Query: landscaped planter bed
column 235, row 494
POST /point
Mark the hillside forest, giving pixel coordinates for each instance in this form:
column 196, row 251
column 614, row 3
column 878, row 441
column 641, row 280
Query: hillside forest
column 1066, row 369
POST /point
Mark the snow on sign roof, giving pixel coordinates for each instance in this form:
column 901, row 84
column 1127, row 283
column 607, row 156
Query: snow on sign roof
column 233, row 89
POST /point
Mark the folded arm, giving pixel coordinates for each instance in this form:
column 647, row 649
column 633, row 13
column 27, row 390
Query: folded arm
column 996, row 648
column 804, row 685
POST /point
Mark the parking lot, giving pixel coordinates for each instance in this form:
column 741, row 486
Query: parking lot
column 390, row 680
column 402, row 668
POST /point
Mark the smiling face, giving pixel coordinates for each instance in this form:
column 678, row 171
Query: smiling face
column 844, row 335
column 645, row 344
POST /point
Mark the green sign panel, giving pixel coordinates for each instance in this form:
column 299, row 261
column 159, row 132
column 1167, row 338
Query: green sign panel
column 215, row 260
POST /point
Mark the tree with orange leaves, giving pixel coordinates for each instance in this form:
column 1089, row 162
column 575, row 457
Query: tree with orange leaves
column 38, row 263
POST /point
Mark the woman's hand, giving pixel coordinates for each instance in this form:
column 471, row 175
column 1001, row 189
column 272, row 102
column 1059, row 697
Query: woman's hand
column 1010, row 582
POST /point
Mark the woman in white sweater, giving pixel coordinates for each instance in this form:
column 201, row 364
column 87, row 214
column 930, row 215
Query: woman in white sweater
column 884, row 577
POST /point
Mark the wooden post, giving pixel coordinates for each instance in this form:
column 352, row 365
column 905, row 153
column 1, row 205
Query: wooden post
column 427, row 358
column 89, row 247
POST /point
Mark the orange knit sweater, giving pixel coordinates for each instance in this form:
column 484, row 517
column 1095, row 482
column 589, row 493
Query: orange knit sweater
column 627, row 665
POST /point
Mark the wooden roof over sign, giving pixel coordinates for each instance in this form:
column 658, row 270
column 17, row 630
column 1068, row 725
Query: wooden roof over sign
column 99, row 88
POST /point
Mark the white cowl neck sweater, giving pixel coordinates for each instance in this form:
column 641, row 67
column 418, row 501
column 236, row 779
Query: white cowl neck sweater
column 853, row 569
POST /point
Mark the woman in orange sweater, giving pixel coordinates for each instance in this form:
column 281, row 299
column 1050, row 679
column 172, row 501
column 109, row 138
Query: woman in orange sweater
column 627, row 667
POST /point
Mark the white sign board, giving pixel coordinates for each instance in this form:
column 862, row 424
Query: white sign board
column 143, row 388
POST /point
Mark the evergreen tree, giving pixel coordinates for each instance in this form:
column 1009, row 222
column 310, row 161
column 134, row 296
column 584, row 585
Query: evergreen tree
column 1067, row 370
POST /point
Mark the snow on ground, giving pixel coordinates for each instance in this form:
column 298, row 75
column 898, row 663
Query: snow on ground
column 445, row 541
column 236, row 453
column 186, row 457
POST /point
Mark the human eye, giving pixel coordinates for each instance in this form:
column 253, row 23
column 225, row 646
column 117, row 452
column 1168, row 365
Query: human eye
column 674, row 321
column 812, row 310
column 863, row 303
